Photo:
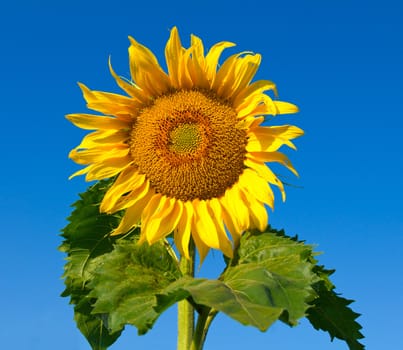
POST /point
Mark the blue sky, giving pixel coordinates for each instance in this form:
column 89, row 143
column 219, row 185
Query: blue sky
column 340, row 61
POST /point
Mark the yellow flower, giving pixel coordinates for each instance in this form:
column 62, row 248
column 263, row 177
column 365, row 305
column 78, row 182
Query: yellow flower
column 187, row 147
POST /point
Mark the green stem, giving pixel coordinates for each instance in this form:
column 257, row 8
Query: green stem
column 170, row 250
column 185, row 309
column 203, row 323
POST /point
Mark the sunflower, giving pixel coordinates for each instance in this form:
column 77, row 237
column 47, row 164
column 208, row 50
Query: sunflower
column 187, row 147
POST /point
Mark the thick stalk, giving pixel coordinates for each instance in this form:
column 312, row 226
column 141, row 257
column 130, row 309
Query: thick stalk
column 203, row 323
column 185, row 309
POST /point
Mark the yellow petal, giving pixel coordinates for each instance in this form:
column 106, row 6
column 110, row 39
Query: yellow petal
column 145, row 69
column 185, row 79
column 270, row 139
column 204, row 225
column 215, row 210
column 171, row 221
column 103, row 169
column 129, row 87
column 277, row 157
column 197, row 49
column 153, row 206
column 163, row 221
column 246, row 69
column 182, row 232
column 213, row 57
column 104, row 138
column 173, row 57
column 127, row 181
column 285, row 107
column 108, row 103
column 257, row 211
column 95, row 122
column 132, row 216
column 237, row 75
column 94, row 155
column 202, row 248
column 224, row 75
column 265, row 172
column 259, row 104
column 206, row 228
column 236, row 208
column 107, row 168
column 81, row 171
column 256, row 88
column 230, row 223
column 130, row 199
column 197, row 63
column 256, row 186
column 249, row 123
column 93, row 96
column 256, row 105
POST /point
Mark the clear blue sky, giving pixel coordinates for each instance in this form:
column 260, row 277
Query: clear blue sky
column 340, row 61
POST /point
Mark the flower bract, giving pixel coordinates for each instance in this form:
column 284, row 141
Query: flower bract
column 187, row 148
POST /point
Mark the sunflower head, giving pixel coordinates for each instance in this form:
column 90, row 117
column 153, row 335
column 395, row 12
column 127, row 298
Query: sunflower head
column 187, row 147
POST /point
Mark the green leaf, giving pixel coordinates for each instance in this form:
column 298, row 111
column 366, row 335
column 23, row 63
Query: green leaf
column 86, row 237
column 288, row 270
column 330, row 313
column 126, row 283
column 270, row 278
column 93, row 327
column 222, row 297
column 86, row 241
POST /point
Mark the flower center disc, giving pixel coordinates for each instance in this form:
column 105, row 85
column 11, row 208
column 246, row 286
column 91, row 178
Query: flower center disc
column 188, row 145
column 185, row 138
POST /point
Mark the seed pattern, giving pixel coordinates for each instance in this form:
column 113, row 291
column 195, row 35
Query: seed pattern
column 188, row 145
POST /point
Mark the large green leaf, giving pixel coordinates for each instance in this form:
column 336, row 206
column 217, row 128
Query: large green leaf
column 222, row 297
column 86, row 237
column 126, row 283
column 288, row 265
column 270, row 278
column 330, row 312
column 86, row 240
column 93, row 327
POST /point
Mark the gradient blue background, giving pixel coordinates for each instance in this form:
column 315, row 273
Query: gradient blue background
column 340, row 61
